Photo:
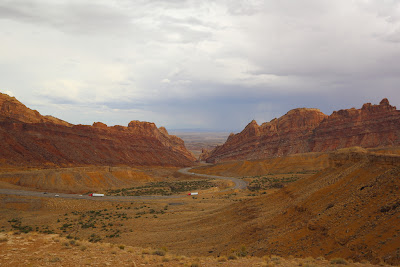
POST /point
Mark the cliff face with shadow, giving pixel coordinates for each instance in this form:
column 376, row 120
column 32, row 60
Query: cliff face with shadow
column 309, row 130
column 30, row 139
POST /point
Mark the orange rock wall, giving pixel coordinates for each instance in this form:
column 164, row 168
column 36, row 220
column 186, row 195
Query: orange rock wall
column 30, row 139
column 309, row 130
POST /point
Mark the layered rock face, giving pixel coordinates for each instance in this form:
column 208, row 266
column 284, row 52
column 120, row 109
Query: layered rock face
column 11, row 108
column 309, row 130
column 30, row 139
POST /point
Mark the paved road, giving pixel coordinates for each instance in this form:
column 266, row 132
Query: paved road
column 239, row 184
column 77, row 196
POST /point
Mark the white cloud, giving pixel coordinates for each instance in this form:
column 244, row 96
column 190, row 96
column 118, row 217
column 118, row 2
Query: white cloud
column 141, row 55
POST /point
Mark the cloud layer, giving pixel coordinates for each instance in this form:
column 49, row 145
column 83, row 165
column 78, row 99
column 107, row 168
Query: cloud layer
column 198, row 64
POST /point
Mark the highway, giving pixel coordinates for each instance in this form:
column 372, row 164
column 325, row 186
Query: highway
column 239, row 184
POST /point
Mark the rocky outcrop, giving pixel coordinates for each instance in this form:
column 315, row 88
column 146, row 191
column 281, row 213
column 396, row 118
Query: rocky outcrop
column 11, row 108
column 309, row 130
column 370, row 126
column 205, row 153
column 28, row 139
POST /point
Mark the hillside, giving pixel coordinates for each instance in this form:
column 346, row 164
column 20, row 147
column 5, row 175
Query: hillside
column 30, row 139
column 309, row 130
column 74, row 180
column 349, row 209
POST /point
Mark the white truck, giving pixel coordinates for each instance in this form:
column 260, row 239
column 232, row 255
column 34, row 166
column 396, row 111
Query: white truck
column 193, row 194
column 96, row 195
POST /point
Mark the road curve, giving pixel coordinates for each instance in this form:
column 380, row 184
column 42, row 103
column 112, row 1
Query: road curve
column 239, row 184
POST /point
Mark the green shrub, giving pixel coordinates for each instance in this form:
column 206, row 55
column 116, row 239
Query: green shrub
column 242, row 252
column 232, row 257
column 339, row 261
column 159, row 252
column 55, row 259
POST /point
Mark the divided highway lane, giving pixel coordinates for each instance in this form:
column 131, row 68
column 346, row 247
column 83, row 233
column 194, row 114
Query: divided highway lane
column 239, row 184
column 77, row 196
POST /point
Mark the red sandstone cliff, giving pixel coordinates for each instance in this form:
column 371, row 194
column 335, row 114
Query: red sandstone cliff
column 309, row 130
column 30, row 139
column 11, row 108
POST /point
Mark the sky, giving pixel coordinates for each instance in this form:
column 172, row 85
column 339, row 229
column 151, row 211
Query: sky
column 201, row 65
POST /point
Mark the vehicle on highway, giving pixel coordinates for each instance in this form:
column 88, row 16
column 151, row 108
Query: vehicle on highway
column 96, row 195
column 193, row 194
column 56, row 195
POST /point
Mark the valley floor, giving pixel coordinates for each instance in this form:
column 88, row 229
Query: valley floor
column 308, row 210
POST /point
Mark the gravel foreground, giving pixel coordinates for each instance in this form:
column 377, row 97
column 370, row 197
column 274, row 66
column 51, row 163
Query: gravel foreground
column 35, row 249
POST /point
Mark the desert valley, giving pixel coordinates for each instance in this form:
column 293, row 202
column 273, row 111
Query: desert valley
column 305, row 189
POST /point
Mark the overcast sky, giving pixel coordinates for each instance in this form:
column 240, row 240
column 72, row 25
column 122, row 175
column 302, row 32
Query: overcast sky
column 207, row 64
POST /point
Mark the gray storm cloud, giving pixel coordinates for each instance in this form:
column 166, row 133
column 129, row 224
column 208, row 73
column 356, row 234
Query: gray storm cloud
column 197, row 64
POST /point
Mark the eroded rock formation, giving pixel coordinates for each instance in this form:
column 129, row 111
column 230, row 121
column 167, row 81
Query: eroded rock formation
column 30, row 139
column 309, row 130
column 11, row 108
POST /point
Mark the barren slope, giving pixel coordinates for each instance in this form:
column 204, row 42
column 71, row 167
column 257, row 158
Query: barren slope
column 75, row 180
column 350, row 209
column 294, row 163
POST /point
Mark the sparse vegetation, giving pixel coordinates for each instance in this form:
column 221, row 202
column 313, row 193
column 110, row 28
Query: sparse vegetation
column 55, row 259
column 105, row 222
column 159, row 252
column 165, row 188
column 16, row 224
column 263, row 182
column 232, row 257
column 339, row 261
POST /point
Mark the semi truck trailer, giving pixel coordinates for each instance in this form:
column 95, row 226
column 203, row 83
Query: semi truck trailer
column 96, row 195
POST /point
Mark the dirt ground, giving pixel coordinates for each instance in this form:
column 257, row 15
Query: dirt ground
column 51, row 250
column 330, row 214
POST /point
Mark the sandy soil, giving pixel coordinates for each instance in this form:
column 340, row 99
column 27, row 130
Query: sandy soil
column 348, row 211
column 52, row 250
